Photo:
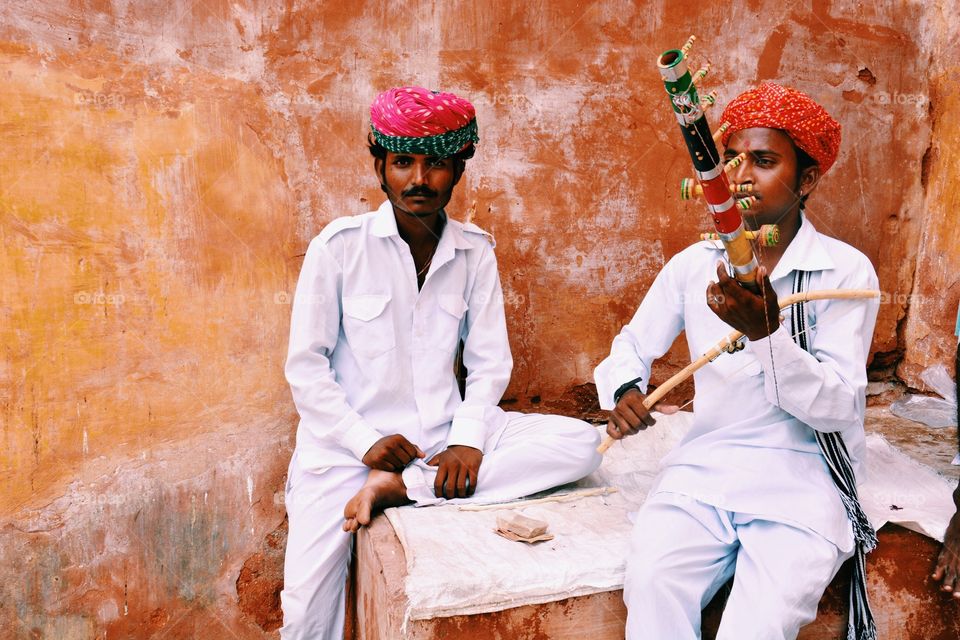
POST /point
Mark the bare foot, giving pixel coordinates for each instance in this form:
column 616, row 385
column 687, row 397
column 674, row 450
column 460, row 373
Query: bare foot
column 381, row 490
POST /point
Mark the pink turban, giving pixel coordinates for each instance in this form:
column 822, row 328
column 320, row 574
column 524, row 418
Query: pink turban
column 416, row 120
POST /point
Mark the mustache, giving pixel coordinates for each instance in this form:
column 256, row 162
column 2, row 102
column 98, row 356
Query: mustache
column 426, row 192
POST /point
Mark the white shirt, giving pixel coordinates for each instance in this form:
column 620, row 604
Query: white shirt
column 370, row 355
column 751, row 447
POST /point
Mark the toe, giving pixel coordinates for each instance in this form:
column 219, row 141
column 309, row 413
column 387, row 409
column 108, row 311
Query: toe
column 363, row 513
column 350, row 514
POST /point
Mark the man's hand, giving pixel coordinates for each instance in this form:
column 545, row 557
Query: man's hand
column 457, row 473
column 630, row 416
column 392, row 453
column 948, row 563
column 756, row 316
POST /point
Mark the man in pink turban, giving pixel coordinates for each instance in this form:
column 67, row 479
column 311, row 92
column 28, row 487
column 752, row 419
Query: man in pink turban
column 748, row 492
column 383, row 304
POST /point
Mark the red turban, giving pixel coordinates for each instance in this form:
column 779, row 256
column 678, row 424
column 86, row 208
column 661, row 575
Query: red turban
column 772, row 106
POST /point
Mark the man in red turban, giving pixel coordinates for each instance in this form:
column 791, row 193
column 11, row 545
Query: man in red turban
column 747, row 493
column 383, row 302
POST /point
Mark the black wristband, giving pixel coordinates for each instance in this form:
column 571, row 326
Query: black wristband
column 626, row 386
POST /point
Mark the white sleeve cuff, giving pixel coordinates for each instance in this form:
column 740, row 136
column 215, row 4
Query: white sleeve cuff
column 359, row 437
column 615, row 378
column 779, row 343
column 467, row 432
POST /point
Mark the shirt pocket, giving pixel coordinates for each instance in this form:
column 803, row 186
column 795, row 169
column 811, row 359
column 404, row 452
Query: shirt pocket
column 449, row 317
column 751, row 368
column 368, row 328
column 741, row 364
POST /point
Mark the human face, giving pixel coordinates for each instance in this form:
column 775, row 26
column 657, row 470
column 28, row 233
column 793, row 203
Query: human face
column 771, row 168
column 417, row 184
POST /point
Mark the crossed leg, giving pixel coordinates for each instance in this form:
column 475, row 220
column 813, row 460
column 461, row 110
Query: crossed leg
column 533, row 453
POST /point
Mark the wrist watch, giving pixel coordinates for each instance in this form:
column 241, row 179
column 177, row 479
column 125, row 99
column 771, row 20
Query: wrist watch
column 633, row 384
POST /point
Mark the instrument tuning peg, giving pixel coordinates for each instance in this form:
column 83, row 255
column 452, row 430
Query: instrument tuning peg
column 701, row 73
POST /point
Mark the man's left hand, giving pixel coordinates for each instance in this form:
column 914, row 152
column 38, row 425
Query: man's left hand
column 948, row 563
column 457, row 473
column 754, row 315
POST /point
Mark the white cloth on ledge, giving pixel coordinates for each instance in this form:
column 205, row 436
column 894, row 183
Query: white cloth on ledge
column 457, row 565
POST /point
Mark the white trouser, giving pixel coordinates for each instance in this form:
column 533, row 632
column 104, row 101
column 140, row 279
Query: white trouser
column 535, row 452
column 682, row 551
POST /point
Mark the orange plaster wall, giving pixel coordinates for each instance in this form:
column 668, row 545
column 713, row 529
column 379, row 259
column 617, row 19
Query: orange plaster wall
column 928, row 331
column 145, row 241
column 164, row 164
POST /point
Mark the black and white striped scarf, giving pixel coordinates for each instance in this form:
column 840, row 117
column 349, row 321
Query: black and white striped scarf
column 860, row 625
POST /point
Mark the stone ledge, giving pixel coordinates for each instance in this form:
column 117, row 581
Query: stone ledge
column 906, row 603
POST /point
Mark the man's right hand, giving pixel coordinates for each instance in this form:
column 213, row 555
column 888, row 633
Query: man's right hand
column 392, row 453
column 630, row 416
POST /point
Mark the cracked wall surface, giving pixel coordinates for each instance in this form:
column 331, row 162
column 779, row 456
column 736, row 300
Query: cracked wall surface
column 164, row 164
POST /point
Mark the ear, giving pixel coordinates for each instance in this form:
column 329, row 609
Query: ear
column 378, row 164
column 809, row 178
column 459, row 165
